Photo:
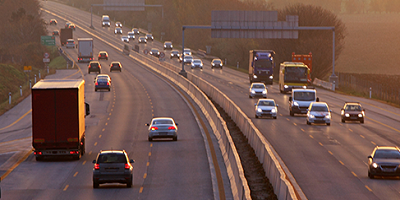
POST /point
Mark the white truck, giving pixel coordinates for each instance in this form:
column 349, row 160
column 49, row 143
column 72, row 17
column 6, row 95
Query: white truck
column 85, row 49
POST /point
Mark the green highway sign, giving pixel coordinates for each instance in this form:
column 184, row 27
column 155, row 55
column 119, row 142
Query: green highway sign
column 48, row 40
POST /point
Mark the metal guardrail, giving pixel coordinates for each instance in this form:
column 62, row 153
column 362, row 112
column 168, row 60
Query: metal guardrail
column 68, row 59
column 324, row 84
column 285, row 186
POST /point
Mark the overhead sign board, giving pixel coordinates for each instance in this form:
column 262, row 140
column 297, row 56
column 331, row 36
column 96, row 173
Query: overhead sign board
column 48, row 40
column 252, row 24
column 124, row 5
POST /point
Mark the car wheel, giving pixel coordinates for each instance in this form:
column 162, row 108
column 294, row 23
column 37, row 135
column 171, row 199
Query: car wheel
column 291, row 113
column 39, row 158
column 150, row 139
column 175, row 138
column 88, row 72
column 109, row 89
column 308, row 123
column 343, row 121
column 371, row 176
column 95, row 184
column 250, row 96
column 95, row 90
column 129, row 183
column 328, row 124
column 362, row 121
column 274, row 117
column 120, row 70
column 255, row 116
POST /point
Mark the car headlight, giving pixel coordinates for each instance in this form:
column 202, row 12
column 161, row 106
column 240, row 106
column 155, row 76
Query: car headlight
column 360, row 115
column 328, row 116
column 201, row 64
column 285, row 86
column 273, row 110
column 342, row 112
column 295, row 103
column 213, row 64
column 305, row 87
column 311, row 116
column 254, row 76
column 347, row 115
column 271, row 77
column 259, row 110
column 172, row 54
column 253, row 92
column 165, row 46
column 374, row 165
column 171, row 46
column 264, row 92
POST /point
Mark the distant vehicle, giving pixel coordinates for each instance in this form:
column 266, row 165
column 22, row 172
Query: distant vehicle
column 112, row 166
column 258, row 90
column 131, row 35
column 103, row 55
column 384, row 161
column 187, row 59
column 306, row 59
column 136, row 31
column 105, row 21
column 70, row 43
column 197, row 63
column 125, row 39
column 142, row 39
column 71, row 26
column 154, row 52
column 174, row 54
column 58, row 118
column 187, row 51
column 352, row 111
column 118, row 30
column 102, row 81
column 67, row 24
column 293, row 75
column 261, row 66
column 85, row 49
column 53, row 21
column 56, row 33
column 118, row 24
column 163, row 127
column 216, row 63
column 318, row 112
column 65, row 34
column 301, row 100
column 149, row 37
column 115, row 66
column 94, row 66
column 267, row 108
column 168, row 45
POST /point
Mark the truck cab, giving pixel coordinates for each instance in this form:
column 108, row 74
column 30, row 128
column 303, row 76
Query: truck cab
column 301, row 100
column 261, row 66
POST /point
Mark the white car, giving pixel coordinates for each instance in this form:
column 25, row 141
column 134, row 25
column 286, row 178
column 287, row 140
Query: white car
column 186, row 51
column 125, row 39
column 131, row 35
column 118, row 24
column 266, row 107
column 258, row 90
column 318, row 112
column 118, row 30
column 197, row 63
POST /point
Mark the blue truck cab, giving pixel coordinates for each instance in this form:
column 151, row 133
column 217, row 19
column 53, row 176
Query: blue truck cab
column 261, row 66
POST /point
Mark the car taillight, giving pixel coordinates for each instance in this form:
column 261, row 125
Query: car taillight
column 171, row 128
column 127, row 166
column 38, row 153
column 96, row 83
column 96, row 166
column 108, row 83
column 153, row 128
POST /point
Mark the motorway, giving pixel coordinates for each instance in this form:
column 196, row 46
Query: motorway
column 328, row 162
column 163, row 169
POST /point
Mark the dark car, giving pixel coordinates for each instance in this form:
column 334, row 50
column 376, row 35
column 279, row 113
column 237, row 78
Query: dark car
column 94, row 66
column 352, row 111
column 103, row 55
column 154, row 52
column 112, row 166
column 168, row 45
column 115, row 66
column 118, row 24
column 149, row 37
column 216, row 63
column 384, row 161
column 56, row 33
column 53, row 21
column 102, row 81
column 135, row 31
column 174, row 54
column 71, row 26
column 67, row 24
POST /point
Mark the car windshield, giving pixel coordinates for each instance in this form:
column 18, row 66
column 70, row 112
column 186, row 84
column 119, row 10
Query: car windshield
column 163, row 121
column 392, row 154
column 353, row 108
column 102, row 80
column 175, row 52
column 197, row 61
column 111, row 158
column 319, row 108
column 259, row 86
column 266, row 103
column 94, row 64
column 304, row 96
column 130, row 33
column 188, row 57
column 115, row 64
column 102, row 54
column 217, row 61
column 296, row 74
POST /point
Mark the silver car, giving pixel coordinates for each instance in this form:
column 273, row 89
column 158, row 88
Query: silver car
column 318, row 112
column 118, row 30
column 131, row 35
column 125, row 39
column 163, row 127
column 267, row 108
column 70, row 43
column 197, row 63
column 258, row 90
column 112, row 166
column 187, row 59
